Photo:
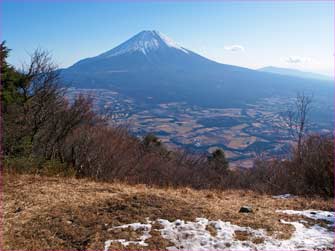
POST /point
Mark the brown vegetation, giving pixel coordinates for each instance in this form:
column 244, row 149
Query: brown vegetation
column 308, row 172
column 66, row 213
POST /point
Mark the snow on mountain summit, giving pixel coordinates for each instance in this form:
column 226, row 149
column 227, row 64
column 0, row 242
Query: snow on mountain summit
column 144, row 42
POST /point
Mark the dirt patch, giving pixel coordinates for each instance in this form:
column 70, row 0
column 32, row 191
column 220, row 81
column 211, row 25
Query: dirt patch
column 212, row 230
column 137, row 208
column 242, row 235
column 247, row 236
column 257, row 240
column 156, row 241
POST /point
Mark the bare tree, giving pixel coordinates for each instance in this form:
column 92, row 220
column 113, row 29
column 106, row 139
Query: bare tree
column 297, row 119
column 38, row 92
column 45, row 118
column 41, row 91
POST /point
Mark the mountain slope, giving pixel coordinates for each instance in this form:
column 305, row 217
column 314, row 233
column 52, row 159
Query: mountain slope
column 146, row 50
column 295, row 73
column 152, row 65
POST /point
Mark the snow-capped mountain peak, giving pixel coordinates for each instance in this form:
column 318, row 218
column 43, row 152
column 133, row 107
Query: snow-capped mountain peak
column 168, row 41
column 144, row 42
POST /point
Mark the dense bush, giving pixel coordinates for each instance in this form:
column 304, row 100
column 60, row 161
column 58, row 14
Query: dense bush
column 39, row 166
column 111, row 153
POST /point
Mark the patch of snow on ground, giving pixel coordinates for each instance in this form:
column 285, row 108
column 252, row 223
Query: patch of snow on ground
column 284, row 196
column 146, row 228
column 188, row 235
column 194, row 236
column 313, row 214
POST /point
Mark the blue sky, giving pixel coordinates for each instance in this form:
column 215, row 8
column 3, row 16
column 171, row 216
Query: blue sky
column 250, row 34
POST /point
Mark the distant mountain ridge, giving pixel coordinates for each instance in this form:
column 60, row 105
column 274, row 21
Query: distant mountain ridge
column 152, row 65
column 295, row 73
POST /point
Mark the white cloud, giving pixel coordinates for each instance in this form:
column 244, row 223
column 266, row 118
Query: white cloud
column 296, row 60
column 234, row 48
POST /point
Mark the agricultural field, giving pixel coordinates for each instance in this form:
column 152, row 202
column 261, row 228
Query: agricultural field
column 244, row 133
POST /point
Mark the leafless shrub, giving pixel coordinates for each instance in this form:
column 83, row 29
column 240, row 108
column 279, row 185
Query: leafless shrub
column 297, row 120
column 309, row 171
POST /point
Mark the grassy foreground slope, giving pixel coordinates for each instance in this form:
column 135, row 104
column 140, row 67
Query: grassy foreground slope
column 67, row 213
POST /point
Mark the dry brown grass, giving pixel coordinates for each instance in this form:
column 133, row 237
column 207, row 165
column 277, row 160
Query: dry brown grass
column 212, row 230
column 242, row 235
column 67, row 213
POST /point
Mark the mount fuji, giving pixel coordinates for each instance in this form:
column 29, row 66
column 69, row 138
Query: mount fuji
column 152, row 65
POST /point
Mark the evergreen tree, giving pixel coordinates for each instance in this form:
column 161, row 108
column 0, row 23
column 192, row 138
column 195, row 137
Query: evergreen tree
column 218, row 161
column 10, row 80
column 151, row 140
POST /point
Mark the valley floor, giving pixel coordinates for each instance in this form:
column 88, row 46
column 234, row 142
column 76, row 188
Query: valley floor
column 67, row 213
